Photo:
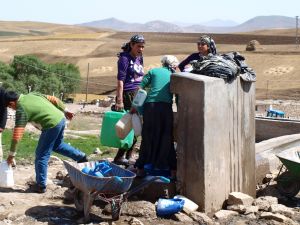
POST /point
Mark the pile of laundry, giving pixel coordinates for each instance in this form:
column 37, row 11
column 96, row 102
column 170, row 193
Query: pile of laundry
column 226, row 66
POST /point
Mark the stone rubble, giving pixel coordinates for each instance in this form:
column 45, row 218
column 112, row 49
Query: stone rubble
column 241, row 209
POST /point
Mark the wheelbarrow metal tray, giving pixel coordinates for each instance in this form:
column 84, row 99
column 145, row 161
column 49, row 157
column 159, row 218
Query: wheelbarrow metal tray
column 106, row 185
column 290, row 158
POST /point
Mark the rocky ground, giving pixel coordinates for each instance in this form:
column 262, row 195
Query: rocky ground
column 19, row 206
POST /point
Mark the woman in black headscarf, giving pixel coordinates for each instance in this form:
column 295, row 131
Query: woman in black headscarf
column 206, row 45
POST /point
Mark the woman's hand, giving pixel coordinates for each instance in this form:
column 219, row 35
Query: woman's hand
column 69, row 115
column 120, row 106
column 11, row 160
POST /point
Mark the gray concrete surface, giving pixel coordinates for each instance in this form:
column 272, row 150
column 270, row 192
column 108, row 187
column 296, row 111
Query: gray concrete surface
column 267, row 128
column 266, row 160
column 215, row 137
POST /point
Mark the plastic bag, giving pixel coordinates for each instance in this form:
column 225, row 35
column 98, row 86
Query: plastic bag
column 136, row 125
column 167, row 207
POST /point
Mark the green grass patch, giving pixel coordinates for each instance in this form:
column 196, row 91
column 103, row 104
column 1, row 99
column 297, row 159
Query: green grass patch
column 37, row 32
column 26, row 147
column 10, row 33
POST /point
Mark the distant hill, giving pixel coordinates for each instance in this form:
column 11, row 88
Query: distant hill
column 214, row 26
column 266, row 22
column 220, row 23
column 161, row 26
column 119, row 25
column 113, row 23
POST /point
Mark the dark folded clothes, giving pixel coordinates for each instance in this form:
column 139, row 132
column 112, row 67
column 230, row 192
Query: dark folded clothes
column 226, row 66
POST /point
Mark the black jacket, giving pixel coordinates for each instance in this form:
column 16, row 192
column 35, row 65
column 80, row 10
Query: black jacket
column 3, row 109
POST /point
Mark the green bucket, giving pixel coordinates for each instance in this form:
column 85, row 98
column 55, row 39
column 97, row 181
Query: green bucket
column 108, row 135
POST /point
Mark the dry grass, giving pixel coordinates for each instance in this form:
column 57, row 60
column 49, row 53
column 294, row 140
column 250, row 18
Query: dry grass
column 26, row 27
column 277, row 62
column 90, row 97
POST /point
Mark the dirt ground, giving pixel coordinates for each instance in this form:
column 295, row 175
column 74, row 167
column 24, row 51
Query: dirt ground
column 19, row 206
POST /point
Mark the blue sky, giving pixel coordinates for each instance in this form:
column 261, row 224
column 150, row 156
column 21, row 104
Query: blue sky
column 187, row 11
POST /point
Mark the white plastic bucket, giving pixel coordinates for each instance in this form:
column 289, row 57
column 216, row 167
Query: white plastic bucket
column 6, row 175
column 189, row 205
column 124, row 126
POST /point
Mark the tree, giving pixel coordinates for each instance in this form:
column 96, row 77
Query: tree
column 69, row 75
column 28, row 64
column 28, row 73
column 51, row 85
column 5, row 76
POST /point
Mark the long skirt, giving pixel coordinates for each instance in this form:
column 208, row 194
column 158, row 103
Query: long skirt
column 157, row 147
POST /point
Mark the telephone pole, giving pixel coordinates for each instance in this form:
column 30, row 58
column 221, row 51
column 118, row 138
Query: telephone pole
column 87, row 84
column 297, row 38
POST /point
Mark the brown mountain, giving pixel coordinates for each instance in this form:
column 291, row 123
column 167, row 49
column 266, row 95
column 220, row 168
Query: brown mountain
column 256, row 23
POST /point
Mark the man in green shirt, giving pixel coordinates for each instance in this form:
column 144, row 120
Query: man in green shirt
column 48, row 113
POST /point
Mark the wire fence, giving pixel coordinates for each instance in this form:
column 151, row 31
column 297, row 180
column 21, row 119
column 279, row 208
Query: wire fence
column 58, row 74
column 87, row 86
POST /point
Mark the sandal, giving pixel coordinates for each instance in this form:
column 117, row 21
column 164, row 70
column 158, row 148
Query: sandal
column 121, row 161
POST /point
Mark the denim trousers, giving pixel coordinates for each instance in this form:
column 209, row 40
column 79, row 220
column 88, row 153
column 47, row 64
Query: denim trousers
column 52, row 140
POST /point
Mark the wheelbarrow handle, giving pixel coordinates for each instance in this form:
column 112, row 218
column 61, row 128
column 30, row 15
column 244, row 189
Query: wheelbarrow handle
column 145, row 183
column 164, row 179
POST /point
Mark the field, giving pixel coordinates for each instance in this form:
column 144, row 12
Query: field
column 276, row 62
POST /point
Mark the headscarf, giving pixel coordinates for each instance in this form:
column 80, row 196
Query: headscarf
column 170, row 62
column 210, row 43
column 10, row 96
column 137, row 38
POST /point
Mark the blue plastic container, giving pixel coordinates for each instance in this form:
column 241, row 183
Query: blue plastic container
column 86, row 170
column 167, row 207
column 100, row 169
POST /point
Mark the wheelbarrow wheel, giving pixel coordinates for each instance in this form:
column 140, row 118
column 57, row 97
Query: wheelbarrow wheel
column 79, row 200
column 115, row 210
column 288, row 185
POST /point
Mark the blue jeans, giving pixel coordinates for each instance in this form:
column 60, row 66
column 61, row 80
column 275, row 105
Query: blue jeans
column 52, row 140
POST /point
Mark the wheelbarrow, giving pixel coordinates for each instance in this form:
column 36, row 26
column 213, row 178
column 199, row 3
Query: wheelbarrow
column 288, row 179
column 112, row 189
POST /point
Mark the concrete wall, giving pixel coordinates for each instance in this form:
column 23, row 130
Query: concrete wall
column 215, row 146
column 267, row 128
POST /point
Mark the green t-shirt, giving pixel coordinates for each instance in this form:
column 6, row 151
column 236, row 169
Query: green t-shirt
column 36, row 108
column 158, row 79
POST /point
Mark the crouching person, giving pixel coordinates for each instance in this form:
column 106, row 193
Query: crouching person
column 50, row 114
